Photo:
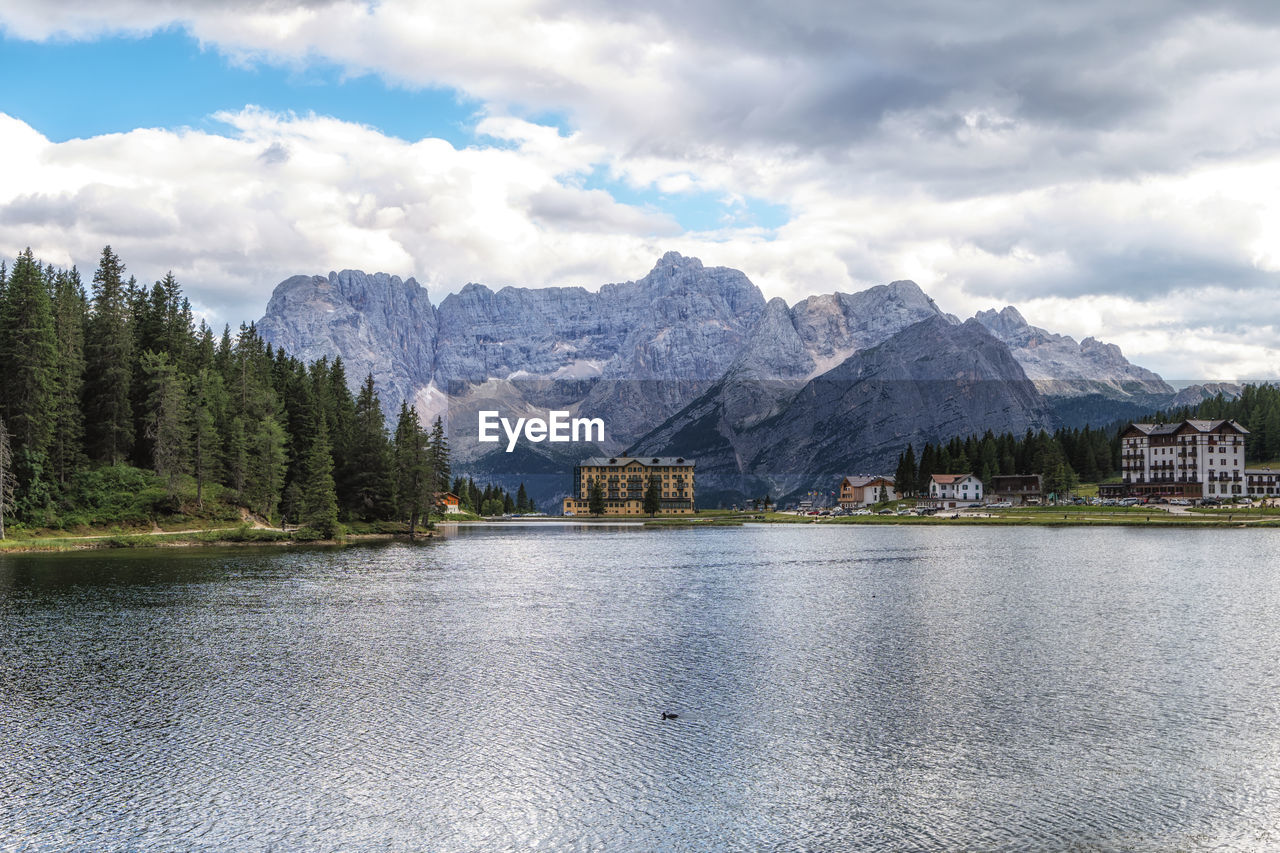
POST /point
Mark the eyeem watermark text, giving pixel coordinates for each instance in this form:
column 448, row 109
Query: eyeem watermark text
column 558, row 427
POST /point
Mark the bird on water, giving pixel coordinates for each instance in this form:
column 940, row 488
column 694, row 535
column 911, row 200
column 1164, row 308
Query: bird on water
column 667, row 716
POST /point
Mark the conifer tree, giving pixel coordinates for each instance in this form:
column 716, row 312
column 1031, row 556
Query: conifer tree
column 266, row 444
column 206, row 395
column 66, row 450
column 166, row 418
column 653, row 496
column 28, row 353
column 415, row 478
column 8, row 482
column 368, row 491
column 595, row 498
column 319, row 508
column 440, row 456
column 109, row 363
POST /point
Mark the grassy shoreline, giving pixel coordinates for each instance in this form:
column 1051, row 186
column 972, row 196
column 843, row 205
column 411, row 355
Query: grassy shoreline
column 58, row 542
column 244, row 534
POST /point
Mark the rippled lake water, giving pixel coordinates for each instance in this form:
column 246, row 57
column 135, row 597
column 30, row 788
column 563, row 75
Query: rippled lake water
column 838, row 688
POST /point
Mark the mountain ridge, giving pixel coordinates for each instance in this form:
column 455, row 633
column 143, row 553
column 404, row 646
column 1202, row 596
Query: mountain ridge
column 642, row 352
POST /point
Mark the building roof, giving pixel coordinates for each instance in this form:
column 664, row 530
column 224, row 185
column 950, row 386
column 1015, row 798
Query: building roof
column 861, row 480
column 647, row 461
column 944, row 479
column 1011, row 478
column 1197, row 424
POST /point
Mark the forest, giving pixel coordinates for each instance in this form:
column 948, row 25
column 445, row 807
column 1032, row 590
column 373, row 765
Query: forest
column 117, row 408
column 1068, row 457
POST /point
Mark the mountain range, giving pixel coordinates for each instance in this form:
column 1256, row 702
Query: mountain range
column 693, row 361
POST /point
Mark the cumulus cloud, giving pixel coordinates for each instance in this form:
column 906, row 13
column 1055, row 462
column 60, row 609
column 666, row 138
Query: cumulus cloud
column 234, row 214
column 1115, row 166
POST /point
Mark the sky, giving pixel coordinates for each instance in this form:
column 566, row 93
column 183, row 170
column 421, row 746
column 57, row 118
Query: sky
column 1111, row 169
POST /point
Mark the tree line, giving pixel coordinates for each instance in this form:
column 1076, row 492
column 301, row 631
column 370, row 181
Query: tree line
column 491, row 500
column 121, row 377
column 1257, row 409
column 1062, row 458
column 1067, row 457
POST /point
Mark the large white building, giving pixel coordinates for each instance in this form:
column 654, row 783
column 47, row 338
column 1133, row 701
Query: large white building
column 1188, row 459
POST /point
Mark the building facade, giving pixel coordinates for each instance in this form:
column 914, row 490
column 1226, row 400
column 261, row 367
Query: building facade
column 1262, row 482
column 1017, row 489
column 864, row 490
column 1193, row 458
column 947, row 491
column 625, row 479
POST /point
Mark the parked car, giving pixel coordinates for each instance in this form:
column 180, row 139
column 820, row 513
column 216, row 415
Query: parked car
column 885, row 512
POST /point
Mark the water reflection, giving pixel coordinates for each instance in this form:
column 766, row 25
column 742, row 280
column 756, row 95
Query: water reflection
column 849, row 688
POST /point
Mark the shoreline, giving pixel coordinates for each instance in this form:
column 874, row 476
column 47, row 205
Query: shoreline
column 273, row 537
column 203, row 539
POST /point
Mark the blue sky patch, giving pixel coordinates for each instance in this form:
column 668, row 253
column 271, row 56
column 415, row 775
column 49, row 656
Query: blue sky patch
column 695, row 210
column 69, row 90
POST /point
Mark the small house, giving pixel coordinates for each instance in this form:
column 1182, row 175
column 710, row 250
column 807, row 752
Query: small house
column 864, row 490
column 1017, row 489
column 947, row 491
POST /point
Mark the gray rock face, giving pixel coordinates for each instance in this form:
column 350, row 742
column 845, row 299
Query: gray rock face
column 693, row 359
column 681, row 321
column 930, row 381
column 1060, row 367
column 376, row 323
column 1194, row 395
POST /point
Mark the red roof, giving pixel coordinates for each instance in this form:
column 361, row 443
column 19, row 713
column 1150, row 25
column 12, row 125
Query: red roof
column 943, row 479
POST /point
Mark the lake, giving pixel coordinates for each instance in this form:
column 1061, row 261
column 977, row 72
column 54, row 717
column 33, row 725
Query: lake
column 838, row 687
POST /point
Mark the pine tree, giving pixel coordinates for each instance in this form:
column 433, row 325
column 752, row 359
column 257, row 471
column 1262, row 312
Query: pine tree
column 266, row 443
column 595, row 498
column 522, row 499
column 166, row 418
column 8, row 482
column 66, row 450
column 28, row 352
column 653, row 496
column 928, row 467
column 206, row 395
column 319, row 499
column 415, row 478
column 367, row 485
column 109, row 363
column 904, row 477
column 440, row 456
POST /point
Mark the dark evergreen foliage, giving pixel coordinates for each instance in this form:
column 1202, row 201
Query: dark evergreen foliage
column 127, row 378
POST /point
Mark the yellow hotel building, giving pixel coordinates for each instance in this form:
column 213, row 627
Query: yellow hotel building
column 625, row 479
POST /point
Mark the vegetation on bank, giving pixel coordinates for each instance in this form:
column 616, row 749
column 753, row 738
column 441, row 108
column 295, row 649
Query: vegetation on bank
column 117, row 410
column 1067, row 457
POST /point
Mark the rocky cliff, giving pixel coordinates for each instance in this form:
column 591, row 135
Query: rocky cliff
column 694, row 360
column 1061, row 367
column 932, row 380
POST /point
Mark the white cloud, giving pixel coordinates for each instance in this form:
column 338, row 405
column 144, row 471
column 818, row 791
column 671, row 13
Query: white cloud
column 1113, row 169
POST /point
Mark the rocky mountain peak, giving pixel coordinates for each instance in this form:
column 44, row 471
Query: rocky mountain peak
column 1060, row 366
column 1005, row 323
